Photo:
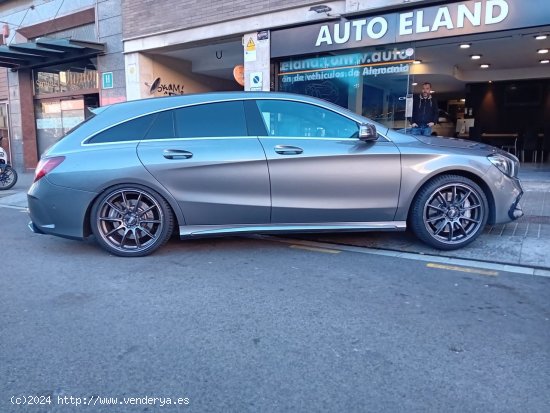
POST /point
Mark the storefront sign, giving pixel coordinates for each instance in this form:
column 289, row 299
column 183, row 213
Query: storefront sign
column 67, row 81
column 460, row 18
column 370, row 58
column 352, row 66
column 107, row 80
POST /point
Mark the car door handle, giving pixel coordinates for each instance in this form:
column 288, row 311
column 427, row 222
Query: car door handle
column 288, row 150
column 176, row 154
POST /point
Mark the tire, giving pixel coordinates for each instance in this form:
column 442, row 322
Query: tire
column 8, row 178
column 449, row 212
column 131, row 221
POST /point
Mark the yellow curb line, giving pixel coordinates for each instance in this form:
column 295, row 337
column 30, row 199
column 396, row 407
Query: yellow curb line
column 462, row 269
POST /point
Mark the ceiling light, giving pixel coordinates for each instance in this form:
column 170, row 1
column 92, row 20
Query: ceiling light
column 545, row 61
column 484, row 66
column 475, row 56
column 541, row 37
column 542, row 51
column 432, row 91
column 463, row 100
column 417, row 62
column 465, row 45
column 414, row 84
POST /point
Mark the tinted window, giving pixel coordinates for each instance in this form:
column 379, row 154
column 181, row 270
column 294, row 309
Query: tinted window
column 162, row 127
column 211, row 120
column 287, row 118
column 132, row 130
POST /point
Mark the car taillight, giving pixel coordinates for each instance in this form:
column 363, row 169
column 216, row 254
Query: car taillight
column 47, row 165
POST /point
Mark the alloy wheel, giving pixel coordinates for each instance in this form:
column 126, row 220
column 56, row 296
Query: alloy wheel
column 453, row 213
column 130, row 221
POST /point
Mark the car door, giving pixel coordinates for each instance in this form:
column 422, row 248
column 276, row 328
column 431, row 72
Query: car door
column 321, row 172
column 203, row 155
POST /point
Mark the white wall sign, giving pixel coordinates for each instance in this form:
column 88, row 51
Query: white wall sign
column 250, row 51
column 256, row 81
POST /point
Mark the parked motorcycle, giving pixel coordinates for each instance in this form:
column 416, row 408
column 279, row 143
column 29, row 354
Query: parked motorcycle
column 8, row 175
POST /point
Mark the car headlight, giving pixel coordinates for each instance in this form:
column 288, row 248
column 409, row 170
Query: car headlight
column 506, row 165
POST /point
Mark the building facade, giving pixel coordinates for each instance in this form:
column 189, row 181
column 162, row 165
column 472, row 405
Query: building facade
column 54, row 57
column 483, row 57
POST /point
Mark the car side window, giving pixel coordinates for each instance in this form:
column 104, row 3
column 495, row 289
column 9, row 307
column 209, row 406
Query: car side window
column 297, row 119
column 224, row 119
column 132, row 130
column 162, row 127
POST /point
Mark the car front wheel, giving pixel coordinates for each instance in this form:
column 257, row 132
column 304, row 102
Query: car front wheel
column 131, row 221
column 449, row 212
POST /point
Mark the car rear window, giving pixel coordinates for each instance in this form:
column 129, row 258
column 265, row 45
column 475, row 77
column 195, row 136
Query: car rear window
column 132, row 130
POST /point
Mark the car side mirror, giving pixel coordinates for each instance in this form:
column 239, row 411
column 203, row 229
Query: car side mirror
column 367, row 132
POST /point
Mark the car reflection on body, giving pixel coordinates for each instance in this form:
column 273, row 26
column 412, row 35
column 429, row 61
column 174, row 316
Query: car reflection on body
column 241, row 162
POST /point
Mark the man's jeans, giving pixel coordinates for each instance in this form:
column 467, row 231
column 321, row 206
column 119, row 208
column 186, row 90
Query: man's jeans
column 421, row 130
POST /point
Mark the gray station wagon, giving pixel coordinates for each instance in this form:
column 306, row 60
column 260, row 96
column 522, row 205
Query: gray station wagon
column 243, row 162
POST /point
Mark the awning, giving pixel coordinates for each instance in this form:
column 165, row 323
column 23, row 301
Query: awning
column 47, row 52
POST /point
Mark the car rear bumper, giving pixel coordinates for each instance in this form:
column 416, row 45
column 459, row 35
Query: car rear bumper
column 57, row 210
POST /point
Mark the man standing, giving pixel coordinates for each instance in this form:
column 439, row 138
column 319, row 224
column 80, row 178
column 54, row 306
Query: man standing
column 425, row 112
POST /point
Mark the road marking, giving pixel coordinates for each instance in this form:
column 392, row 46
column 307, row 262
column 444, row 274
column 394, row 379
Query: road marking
column 462, row 269
column 316, row 249
column 412, row 256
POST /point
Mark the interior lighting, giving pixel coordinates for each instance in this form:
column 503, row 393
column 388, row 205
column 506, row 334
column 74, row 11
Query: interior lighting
column 545, row 61
column 465, row 45
column 541, row 37
column 542, row 51
column 417, row 62
column 485, row 66
column 475, row 56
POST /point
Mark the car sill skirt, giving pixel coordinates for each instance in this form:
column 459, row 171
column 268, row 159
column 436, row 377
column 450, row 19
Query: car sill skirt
column 190, row 231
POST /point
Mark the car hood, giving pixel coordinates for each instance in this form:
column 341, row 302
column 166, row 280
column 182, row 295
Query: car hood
column 452, row 143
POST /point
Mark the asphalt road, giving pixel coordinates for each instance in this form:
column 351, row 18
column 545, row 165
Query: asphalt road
column 249, row 325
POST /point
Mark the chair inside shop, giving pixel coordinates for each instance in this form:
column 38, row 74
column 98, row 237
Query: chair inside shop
column 529, row 144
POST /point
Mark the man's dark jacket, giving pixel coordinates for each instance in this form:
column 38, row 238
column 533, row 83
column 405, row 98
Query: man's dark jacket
column 425, row 110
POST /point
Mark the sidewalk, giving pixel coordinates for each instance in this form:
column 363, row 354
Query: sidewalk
column 523, row 242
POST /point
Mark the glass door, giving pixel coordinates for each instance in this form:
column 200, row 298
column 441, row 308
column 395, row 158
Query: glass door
column 54, row 118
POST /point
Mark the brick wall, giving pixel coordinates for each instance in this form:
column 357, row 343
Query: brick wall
column 143, row 17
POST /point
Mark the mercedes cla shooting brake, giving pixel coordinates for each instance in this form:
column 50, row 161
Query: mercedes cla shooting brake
column 241, row 162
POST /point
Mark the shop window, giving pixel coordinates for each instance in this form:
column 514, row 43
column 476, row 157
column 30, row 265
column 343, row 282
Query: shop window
column 132, row 130
column 295, row 119
column 224, row 119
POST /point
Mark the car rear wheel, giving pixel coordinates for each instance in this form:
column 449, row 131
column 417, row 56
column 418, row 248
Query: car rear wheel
column 131, row 221
column 449, row 212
